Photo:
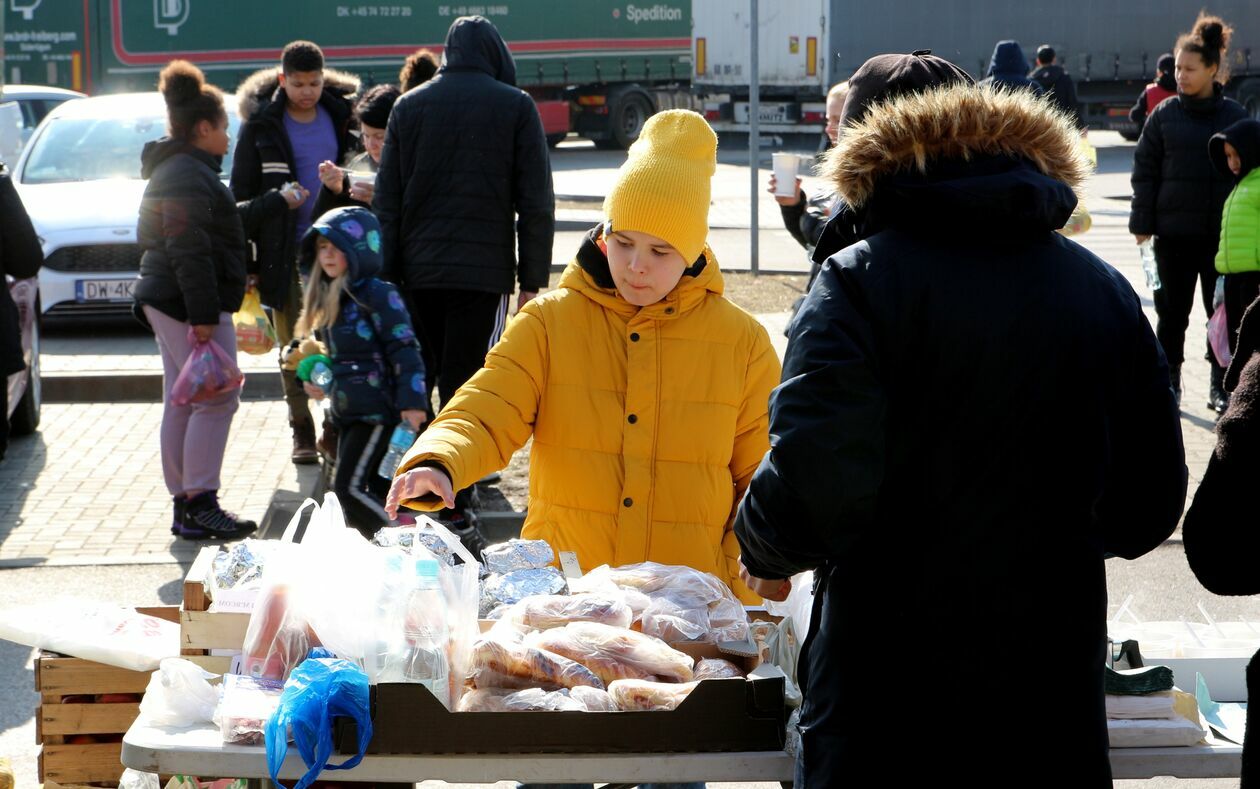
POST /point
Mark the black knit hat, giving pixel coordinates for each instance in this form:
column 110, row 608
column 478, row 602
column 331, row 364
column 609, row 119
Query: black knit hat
column 887, row 76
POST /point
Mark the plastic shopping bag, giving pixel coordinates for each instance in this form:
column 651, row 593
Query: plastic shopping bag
column 1218, row 336
column 179, row 695
column 208, row 372
column 254, row 332
column 92, row 630
column 319, row 690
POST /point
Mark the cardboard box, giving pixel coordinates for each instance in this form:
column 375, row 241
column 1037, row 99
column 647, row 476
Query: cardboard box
column 719, row 715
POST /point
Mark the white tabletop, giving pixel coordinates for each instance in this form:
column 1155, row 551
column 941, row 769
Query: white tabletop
column 200, row 751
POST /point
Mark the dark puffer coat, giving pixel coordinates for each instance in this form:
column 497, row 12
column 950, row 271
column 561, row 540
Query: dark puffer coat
column 968, row 423
column 465, row 177
column 194, row 262
column 1177, row 193
column 20, row 258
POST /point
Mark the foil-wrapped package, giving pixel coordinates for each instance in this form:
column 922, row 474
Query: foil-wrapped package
column 404, row 537
column 239, row 566
column 505, row 557
column 511, row 587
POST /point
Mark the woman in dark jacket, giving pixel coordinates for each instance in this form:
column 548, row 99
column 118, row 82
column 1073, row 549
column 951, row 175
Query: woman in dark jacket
column 1178, row 195
column 20, row 258
column 337, row 190
column 192, row 278
column 935, row 389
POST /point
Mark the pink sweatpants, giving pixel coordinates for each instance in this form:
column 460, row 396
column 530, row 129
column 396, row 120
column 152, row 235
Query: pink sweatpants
column 194, row 437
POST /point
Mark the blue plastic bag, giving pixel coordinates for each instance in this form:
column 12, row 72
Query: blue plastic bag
column 317, row 691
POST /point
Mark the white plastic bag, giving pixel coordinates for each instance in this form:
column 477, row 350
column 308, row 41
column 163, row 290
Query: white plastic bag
column 134, row 779
column 179, row 695
column 92, row 630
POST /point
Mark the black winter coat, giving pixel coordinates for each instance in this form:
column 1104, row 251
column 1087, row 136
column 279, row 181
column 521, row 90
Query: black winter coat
column 465, row 176
column 968, row 423
column 264, row 162
column 1177, row 193
column 20, row 257
column 194, row 262
column 1222, row 540
column 1055, row 80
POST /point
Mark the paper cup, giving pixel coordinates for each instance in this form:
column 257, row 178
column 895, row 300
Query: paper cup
column 786, row 165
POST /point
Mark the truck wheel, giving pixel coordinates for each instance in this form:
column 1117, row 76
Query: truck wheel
column 1249, row 97
column 627, row 118
column 25, row 418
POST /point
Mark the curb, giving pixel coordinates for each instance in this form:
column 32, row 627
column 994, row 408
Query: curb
column 115, row 387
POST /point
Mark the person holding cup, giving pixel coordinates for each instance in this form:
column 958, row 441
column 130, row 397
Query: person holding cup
column 355, row 184
column 803, row 215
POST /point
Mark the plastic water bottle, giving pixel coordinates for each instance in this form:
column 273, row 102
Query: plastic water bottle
column 387, row 624
column 322, row 376
column 1149, row 266
column 403, row 437
column 426, row 634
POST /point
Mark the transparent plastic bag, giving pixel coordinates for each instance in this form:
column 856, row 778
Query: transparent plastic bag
column 543, row 612
column 318, row 690
column 614, row 653
column 637, row 695
column 593, row 699
column 134, row 779
column 207, row 373
column 254, row 332
column 504, row 663
column 179, row 695
column 717, row 668
column 673, row 603
column 278, row 637
column 92, row 630
column 248, row 703
column 539, row 700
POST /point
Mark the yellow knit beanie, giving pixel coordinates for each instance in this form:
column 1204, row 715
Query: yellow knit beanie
column 663, row 187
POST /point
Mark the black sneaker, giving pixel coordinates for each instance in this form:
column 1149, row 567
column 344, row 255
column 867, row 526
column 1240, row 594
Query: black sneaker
column 464, row 526
column 177, row 524
column 205, row 519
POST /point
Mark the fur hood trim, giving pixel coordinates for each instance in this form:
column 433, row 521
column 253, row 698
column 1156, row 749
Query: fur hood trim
column 955, row 122
column 258, row 89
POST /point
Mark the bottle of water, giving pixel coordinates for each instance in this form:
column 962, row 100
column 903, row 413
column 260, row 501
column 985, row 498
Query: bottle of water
column 426, row 634
column 321, row 376
column 1149, row 266
column 403, row 437
column 381, row 663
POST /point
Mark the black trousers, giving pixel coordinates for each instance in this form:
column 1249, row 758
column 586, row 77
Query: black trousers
column 1240, row 291
column 359, row 488
column 1181, row 264
column 456, row 328
column 4, row 415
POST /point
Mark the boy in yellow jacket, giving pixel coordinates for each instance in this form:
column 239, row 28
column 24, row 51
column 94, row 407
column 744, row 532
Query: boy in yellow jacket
column 645, row 390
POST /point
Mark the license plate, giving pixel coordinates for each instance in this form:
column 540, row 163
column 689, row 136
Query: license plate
column 104, row 290
column 772, row 114
column 1117, row 112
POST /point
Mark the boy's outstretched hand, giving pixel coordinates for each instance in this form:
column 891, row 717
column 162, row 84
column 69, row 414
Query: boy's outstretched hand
column 777, row 591
column 417, row 483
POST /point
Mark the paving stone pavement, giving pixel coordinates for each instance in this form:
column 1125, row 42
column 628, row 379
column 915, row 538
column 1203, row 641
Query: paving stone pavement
column 87, row 487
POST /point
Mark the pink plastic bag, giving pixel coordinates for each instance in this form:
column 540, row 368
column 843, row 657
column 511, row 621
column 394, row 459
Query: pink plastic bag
column 209, row 372
column 1218, row 336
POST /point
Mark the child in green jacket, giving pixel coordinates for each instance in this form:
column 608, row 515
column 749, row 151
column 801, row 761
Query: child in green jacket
column 1236, row 153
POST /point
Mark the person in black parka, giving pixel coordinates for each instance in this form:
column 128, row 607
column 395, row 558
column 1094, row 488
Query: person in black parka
column 1178, row 194
column 1008, row 67
column 192, row 278
column 1221, row 538
column 1056, row 82
column 968, row 423
column 20, row 258
column 464, row 186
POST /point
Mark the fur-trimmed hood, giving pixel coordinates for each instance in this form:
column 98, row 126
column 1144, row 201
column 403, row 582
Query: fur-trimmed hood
column 259, row 89
column 937, row 134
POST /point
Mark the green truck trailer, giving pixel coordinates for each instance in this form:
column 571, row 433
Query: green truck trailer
column 597, row 67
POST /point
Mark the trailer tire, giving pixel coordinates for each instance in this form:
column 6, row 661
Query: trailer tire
column 1249, row 96
column 629, row 113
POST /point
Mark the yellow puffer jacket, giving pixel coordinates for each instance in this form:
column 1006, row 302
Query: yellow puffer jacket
column 648, row 422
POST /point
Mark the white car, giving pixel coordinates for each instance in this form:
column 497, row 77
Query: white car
column 33, row 103
column 79, row 178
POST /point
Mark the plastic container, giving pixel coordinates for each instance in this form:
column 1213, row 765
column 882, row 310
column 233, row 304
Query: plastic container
column 1219, row 648
column 1149, row 266
column 399, row 442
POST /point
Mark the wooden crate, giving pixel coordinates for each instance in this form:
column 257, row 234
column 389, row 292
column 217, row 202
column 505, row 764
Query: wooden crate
column 68, row 688
column 201, row 630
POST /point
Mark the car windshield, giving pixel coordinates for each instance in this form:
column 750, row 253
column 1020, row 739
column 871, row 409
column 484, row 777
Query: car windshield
column 90, row 149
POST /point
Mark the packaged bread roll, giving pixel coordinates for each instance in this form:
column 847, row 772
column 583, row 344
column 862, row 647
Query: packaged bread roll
column 717, row 668
column 544, row 612
column 498, row 662
column 637, row 695
column 593, row 699
column 616, row 653
column 484, row 700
